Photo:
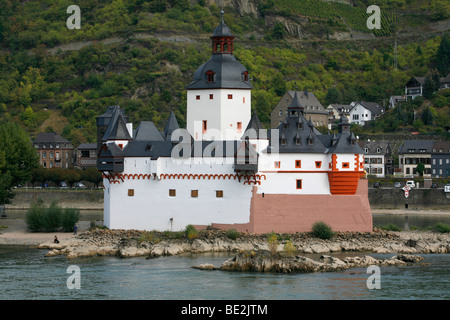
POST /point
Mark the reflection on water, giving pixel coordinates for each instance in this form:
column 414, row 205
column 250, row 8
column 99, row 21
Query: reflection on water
column 27, row 274
column 408, row 221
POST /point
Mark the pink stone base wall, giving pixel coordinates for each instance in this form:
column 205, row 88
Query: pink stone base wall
column 297, row 213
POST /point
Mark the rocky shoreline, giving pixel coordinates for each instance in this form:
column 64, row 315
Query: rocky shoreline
column 134, row 243
column 266, row 261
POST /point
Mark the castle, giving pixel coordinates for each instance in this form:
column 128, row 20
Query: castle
column 225, row 170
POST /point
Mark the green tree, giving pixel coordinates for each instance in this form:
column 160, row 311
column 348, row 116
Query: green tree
column 92, row 175
column 442, row 57
column 427, row 117
column 18, row 158
column 428, row 88
column 420, row 168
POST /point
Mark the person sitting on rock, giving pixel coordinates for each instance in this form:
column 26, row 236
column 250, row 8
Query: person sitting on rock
column 56, row 239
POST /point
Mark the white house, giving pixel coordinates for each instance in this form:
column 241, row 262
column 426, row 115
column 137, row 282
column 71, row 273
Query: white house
column 362, row 112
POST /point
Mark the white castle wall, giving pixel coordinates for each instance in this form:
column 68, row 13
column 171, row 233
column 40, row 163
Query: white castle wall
column 222, row 114
column 152, row 208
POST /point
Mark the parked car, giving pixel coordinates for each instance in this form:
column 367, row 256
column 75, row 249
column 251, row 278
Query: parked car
column 434, row 185
column 397, row 185
column 63, row 185
column 79, row 185
column 410, row 183
column 377, row 185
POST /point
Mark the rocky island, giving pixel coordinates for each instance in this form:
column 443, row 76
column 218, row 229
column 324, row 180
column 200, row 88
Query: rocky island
column 151, row 244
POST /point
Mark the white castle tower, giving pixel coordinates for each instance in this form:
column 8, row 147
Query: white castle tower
column 219, row 98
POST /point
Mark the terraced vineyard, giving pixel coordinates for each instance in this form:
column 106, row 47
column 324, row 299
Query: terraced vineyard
column 354, row 17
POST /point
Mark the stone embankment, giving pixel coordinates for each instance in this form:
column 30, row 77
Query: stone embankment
column 133, row 243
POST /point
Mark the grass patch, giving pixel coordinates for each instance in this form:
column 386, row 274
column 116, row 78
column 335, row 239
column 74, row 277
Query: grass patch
column 390, row 227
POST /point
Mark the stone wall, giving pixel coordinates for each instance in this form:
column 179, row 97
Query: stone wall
column 81, row 199
column 390, row 198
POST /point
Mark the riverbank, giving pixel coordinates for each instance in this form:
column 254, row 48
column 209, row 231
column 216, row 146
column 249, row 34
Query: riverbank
column 133, row 243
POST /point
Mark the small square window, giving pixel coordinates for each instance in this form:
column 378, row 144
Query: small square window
column 131, row 192
column 299, row 183
column 277, row 164
column 211, row 97
column 239, row 127
column 298, row 163
column 318, row 164
column 172, row 193
column 194, row 193
column 197, row 97
column 219, row 193
column 345, row 165
column 230, row 96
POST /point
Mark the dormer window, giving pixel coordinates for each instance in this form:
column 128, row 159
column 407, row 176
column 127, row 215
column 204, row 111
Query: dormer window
column 299, row 124
column 245, row 75
column 210, row 76
column 310, row 141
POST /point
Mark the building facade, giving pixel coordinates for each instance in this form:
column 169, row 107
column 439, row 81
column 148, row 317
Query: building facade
column 440, row 159
column 54, row 151
column 281, row 180
column 377, row 158
column 86, row 155
column 413, row 152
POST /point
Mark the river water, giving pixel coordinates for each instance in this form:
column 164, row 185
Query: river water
column 26, row 274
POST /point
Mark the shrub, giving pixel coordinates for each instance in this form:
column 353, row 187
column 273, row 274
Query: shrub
column 69, row 218
column 322, row 231
column 191, row 232
column 35, row 216
column 289, row 248
column 272, row 238
column 233, row 234
column 42, row 219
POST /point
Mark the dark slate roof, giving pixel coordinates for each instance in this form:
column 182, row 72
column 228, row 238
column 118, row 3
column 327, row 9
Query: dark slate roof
column 147, row 131
column 308, row 101
column 254, row 124
column 151, row 149
column 105, row 118
column 416, row 145
column 222, row 30
column 413, row 80
column 445, row 79
column 171, row 126
column 87, row 146
column 374, row 107
column 49, row 137
column 117, row 128
column 228, row 74
column 296, row 126
column 441, row 147
column 373, row 145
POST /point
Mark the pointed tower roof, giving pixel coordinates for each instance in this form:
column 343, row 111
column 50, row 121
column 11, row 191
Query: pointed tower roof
column 147, row 131
column 295, row 104
column 222, row 29
column 253, row 127
column 117, row 128
column 171, row 125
